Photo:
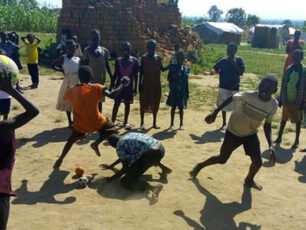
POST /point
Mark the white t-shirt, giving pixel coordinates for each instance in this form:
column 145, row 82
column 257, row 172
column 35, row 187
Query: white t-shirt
column 4, row 95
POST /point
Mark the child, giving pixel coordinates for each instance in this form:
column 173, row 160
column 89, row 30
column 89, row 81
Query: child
column 292, row 45
column 70, row 65
column 230, row 69
column 243, row 127
column 8, row 146
column 78, row 50
column 97, row 57
column 293, row 96
column 178, row 83
column 84, row 99
column 31, row 42
column 137, row 152
column 5, row 98
column 149, row 83
column 173, row 55
column 126, row 66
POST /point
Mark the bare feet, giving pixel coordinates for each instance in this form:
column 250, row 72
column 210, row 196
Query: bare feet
column 142, row 128
column 223, row 127
column 155, row 126
column 303, row 150
column 252, row 184
column 155, row 193
column 96, row 149
column 195, row 171
column 106, row 166
column 171, row 127
column 181, row 127
column 57, row 164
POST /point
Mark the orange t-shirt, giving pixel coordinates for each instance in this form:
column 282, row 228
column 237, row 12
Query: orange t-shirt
column 84, row 100
column 289, row 59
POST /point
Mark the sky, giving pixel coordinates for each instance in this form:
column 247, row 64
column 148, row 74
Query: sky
column 265, row 9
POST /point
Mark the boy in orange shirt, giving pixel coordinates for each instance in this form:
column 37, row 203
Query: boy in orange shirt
column 84, row 99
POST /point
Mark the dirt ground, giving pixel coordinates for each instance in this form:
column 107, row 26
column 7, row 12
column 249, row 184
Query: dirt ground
column 51, row 199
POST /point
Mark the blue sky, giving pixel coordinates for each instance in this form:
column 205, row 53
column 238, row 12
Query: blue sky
column 266, row 9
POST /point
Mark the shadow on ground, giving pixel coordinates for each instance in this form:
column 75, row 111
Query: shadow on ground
column 283, row 156
column 218, row 215
column 208, row 137
column 52, row 186
column 300, row 168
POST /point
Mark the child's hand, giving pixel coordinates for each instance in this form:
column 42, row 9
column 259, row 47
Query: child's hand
column 125, row 81
column 5, row 81
column 272, row 154
column 210, row 118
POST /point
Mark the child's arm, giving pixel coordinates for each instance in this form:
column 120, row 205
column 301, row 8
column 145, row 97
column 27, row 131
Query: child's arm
column 22, row 119
column 115, row 76
column 108, row 68
column 23, row 39
column 113, row 94
column 112, row 165
column 57, row 64
column 163, row 69
column 38, row 40
column 268, row 134
column 212, row 116
column 141, row 73
column 135, row 84
column 118, row 174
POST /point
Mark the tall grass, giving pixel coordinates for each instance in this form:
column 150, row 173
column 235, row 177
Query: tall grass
column 20, row 17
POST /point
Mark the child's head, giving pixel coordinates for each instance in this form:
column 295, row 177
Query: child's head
column 151, row 46
column 297, row 35
column 126, row 49
column 75, row 38
column 30, row 38
column 177, row 47
column 85, row 74
column 3, row 36
column 298, row 56
column 70, row 47
column 231, row 49
column 95, row 37
column 180, row 57
column 267, row 87
column 113, row 140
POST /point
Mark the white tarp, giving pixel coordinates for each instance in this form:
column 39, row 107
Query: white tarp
column 221, row 27
column 291, row 31
column 271, row 26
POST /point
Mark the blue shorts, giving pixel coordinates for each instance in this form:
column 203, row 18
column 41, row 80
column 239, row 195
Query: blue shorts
column 5, row 106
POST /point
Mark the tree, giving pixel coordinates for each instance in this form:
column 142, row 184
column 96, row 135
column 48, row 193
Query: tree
column 214, row 13
column 287, row 22
column 236, row 16
column 252, row 20
column 29, row 3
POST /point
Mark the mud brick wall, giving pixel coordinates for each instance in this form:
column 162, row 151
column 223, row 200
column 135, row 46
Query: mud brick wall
column 135, row 21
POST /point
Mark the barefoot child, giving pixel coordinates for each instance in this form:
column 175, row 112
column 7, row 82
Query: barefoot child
column 31, row 42
column 230, row 69
column 179, row 92
column 97, row 57
column 126, row 66
column 5, row 98
column 8, row 145
column 149, row 83
column 70, row 65
column 243, row 127
column 293, row 96
column 84, row 99
column 137, row 152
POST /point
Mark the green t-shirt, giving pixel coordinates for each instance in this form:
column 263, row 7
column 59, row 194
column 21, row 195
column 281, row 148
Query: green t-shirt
column 291, row 86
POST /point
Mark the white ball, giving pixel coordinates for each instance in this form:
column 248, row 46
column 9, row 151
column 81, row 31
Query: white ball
column 9, row 66
column 83, row 181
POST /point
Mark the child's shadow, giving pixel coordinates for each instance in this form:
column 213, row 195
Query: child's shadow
column 208, row 137
column 165, row 134
column 51, row 187
column 300, row 167
column 113, row 190
column 283, row 156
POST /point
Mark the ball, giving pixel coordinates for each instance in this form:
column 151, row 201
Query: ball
column 83, row 181
column 9, row 66
column 79, row 171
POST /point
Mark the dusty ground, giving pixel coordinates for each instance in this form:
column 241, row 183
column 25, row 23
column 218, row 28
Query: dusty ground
column 51, row 199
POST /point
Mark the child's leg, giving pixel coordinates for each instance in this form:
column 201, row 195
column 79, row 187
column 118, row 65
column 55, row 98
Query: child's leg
column 280, row 133
column 5, row 117
column 252, row 148
column 154, row 120
column 173, row 108
column 4, row 211
column 69, row 118
column 181, row 109
column 142, row 119
column 126, row 113
column 297, row 135
column 115, row 110
column 100, row 107
column 224, row 119
column 230, row 143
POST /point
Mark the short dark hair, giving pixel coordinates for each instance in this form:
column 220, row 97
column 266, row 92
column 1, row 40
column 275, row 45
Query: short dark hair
column 70, row 42
column 177, row 45
column 271, row 78
column 85, row 74
column 232, row 44
column 126, row 43
column 113, row 140
column 181, row 54
column 152, row 42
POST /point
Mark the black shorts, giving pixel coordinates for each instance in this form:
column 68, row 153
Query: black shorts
column 5, row 106
column 4, row 210
column 251, row 145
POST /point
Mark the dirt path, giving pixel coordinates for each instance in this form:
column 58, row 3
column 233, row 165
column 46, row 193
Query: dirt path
column 49, row 199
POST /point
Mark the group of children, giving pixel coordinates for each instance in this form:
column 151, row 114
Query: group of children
column 83, row 91
column 9, row 46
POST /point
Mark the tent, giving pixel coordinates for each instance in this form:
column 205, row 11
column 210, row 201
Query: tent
column 219, row 32
column 270, row 36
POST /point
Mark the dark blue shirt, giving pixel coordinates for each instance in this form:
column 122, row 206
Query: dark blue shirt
column 229, row 75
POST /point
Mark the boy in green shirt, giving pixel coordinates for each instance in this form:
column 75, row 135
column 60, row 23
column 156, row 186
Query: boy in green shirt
column 293, row 96
column 31, row 42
